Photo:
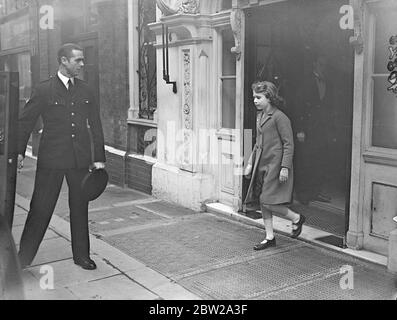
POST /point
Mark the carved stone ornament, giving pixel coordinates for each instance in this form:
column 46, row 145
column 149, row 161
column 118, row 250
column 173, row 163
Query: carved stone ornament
column 357, row 40
column 170, row 7
column 235, row 22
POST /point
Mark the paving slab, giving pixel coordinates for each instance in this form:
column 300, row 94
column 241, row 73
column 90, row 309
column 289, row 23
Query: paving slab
column 121, row 217
column 19, row 220
column 53, row 250
column 17, row 233
column 118, row 287
column 33, row 291
column 67, row 274
column 162, row 286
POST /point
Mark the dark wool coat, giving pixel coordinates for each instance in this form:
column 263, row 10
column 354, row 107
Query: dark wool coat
column 273, row 150
column 65, row 141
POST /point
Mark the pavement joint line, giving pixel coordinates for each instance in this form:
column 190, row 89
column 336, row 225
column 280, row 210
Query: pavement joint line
column 127, row 276
column 152, row 225
column 233, row 261
column 46, row 263
column 166, row 216
column 115, row 206
column 136, row 202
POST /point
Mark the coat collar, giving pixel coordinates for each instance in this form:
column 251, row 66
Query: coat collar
column 266, row 116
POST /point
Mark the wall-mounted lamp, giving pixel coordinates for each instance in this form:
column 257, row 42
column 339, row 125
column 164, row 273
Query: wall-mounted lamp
column 166, row 75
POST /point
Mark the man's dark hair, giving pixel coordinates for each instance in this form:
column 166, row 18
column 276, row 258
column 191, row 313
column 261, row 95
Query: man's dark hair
column 66, row 50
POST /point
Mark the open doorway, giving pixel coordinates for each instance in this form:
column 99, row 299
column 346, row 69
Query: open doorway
column 300, row 46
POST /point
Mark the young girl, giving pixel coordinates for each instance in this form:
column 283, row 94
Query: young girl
column 272, row 154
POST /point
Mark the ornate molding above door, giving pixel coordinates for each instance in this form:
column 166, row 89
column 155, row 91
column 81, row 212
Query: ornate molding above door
column 170, row 7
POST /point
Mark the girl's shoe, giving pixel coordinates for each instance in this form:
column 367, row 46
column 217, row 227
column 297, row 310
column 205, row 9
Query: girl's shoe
column 296, row 232
column 267, row 244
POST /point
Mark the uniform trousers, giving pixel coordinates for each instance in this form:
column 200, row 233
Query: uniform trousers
column 48, row 183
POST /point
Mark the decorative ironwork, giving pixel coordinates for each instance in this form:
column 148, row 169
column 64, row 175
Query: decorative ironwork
column 146, row 142
column 147, row 60
column 166, row 69
column 235, row 22
column 187, row 112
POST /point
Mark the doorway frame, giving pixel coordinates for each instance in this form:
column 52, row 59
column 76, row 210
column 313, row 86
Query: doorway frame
column 352, row 171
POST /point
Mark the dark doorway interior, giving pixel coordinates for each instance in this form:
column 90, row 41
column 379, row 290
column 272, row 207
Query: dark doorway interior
column 283, row 42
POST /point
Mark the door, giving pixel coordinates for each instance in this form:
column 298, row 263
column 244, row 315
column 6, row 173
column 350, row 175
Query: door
column 380, row 138
column 9, row 96
column 302, row 49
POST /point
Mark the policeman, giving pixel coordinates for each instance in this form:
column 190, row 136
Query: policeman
column 66, row 105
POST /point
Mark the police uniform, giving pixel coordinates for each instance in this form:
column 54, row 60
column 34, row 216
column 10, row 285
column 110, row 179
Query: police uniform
column 311, row 117
column 64, row 151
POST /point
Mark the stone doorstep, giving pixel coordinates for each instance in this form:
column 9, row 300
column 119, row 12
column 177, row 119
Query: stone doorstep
column 309, row 234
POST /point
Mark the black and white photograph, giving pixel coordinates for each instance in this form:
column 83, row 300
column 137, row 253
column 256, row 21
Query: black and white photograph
column 198, row 155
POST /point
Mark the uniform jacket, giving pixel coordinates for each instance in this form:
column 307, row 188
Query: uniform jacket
column 273, row 150
column 311, row 112
column 65, row 141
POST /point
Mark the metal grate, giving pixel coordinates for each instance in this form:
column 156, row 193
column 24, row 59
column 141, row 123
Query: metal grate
column 122, row 217
column 194, row 245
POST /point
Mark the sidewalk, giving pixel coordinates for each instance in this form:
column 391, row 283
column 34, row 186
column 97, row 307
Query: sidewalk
column 146, row 248
column 118, row 275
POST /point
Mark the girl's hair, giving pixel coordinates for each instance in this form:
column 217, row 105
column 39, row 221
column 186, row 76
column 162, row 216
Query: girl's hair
column 270, row 91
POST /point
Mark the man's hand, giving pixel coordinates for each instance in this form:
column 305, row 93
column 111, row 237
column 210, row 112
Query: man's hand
column 301, row 136
column 99, row 165
column 283, row 175
column 20, row 161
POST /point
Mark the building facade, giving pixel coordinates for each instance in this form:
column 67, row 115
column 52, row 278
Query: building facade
column 173, row 80
column 216, row 49
column 30, row 35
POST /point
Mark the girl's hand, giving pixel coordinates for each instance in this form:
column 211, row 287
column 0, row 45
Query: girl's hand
column 283, row 175
column 247, row 171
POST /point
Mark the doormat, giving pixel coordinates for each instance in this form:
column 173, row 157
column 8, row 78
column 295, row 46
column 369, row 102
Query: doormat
column 332, row 240
column 253, row 214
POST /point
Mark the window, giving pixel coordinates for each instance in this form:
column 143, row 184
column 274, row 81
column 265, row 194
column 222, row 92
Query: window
column 15, row 33
column 79, row 17
column 228, row 81
column 147, row 60
column 19, row 63
column 384, row 118
column 226, row 4
column 10, row 6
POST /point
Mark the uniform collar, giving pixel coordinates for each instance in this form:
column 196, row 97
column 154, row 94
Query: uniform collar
column 64, row 79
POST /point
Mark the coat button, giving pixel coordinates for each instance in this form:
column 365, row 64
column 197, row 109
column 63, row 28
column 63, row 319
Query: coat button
column 73, row 135
column 72, row 114
column 72, row 103
column 73, row 125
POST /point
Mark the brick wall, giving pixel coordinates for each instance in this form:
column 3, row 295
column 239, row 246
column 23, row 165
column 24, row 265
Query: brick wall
column 116, row 169
column 130, row 172
column 139, row 175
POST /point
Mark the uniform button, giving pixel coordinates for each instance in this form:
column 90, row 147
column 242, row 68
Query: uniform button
column 73, row 135
column 72, row 114
column 72, row 103
column 73, row 125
